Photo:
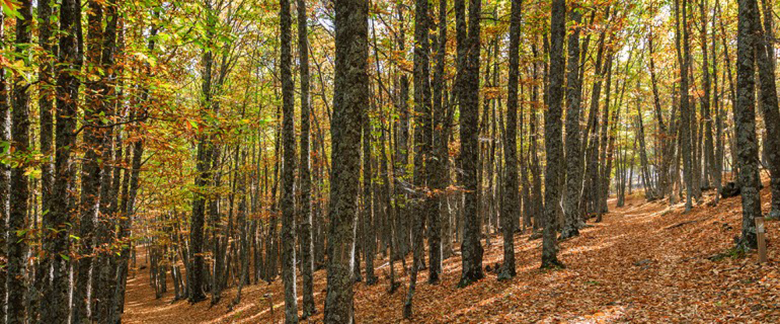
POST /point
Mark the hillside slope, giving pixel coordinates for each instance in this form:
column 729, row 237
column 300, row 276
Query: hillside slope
column 646, row 262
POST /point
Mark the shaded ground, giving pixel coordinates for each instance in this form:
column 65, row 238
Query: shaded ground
column 646, row 262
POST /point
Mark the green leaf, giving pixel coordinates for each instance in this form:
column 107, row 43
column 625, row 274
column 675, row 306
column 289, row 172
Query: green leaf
column 10, row 9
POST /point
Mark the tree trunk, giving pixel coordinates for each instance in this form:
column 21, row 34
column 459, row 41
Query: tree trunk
column 717, row 167
column 439, row 162
column 102, row 268
column 402, row 150
column 56, row 248
column 468, row 84
column 768, row 95
column 288, row 170
column 5, row 175
column 709, row 149
column 593, row 144
column 204, row 156
column 45, row 104
column 745, row 119
column 650, row 192
column 685, row 111
column 509, row 203
column 422, row 109
column 91, row 171
column 663, row 136
column 307, row 253
column 389, row 210
column 350, row 96
column 536, row 170
column 16, row 246
column 553, row 137
column 572, row 221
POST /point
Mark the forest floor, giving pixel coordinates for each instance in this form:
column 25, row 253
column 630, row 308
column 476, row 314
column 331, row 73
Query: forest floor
column 646, row 262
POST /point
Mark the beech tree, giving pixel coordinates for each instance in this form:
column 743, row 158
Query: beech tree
column 553, row 137
column 468, row 98
column 20, row 192
column 509, row 204
column 745, row 120
column 350, row 93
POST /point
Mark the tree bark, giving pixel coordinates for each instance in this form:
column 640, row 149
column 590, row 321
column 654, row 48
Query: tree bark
column 685, row 111
column 91, row 172
column 369, row 237
column 205, row 151
column 572, row 221
column 745, row 119
column 709, row 148
column 5, row 174
column 288, row 169
column 509, row 204
column 768, row 95
column 717, row 167
column 56, row 247
column 102, row 268
column 307, row 253
column 592, row 143
column 402, row 150
column 16, row 244
column 553, row 137
column 422, row 116
column 439, row 161
column 536, row 170
column 471, row 248
column 350, row 97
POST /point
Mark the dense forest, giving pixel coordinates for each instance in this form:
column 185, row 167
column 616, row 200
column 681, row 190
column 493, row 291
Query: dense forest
column 221, row 146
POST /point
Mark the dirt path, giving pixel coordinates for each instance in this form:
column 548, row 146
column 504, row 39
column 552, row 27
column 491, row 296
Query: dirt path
column 646, row 262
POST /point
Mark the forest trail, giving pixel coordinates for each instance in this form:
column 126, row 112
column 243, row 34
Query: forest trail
column 646, row 262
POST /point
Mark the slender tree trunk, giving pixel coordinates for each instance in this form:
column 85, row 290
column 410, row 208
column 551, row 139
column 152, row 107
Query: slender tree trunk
column 125, row 226
column 685, row 111
column 5, row 175
column 600, row 202
column 471, row 248
column 572, row 221
column 745, row 119
column 402, row 150
column 389, row 210
column 593, row 144
column 288, row 170
column 536, row 170
column 369, row 237
column 16, row 244
column 650, row 192
column 768, row 95
column 204, row 156
column 56, row 247
column 46, row 105
column 307, row 253
column 101, row 272
column 553, row 137
column 243, row 225
column 439, row 161
column 732, row 94
column 350, row 96
column 218, row 230
column 94, row 138
column 509, row 203
column 709, row 149
column 422, row 109
column 717, row 167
